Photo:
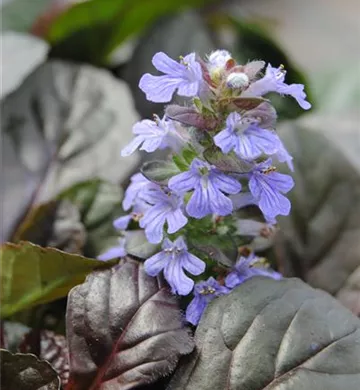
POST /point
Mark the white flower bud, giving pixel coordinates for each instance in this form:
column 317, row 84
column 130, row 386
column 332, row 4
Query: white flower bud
column 218, row 59
column 237, row 80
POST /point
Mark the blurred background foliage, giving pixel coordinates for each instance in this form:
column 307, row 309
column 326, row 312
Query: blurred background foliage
column 70, row 97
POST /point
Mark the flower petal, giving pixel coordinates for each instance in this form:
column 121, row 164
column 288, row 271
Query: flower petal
column 156, row 263
column 167, row 65
column 225, row 183
column 180, row 243
column 234, row 279
column 132, row 146
column 183, row 182
column 274, row 203
column 112, row 253
column 188, row 89
column 122, row 223
column 158, row 89
column 225, row 140
column 283, row 183
column 175, row 276
column 219, row 203
column 192, row 264
column 264, row 141
column 151, row 144
column 153, row 221
column 195, row 310
column 176, row 220
column 199, row 205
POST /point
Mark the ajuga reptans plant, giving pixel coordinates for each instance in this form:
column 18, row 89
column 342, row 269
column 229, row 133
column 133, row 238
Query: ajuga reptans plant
column 222, row 154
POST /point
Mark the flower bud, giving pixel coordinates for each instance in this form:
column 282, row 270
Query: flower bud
column 237, row 80
column 218, row 59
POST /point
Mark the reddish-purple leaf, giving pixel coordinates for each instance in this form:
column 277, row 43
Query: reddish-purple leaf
column 124, row 329
column 244, row 103
column 265, row 113
column 50, row 347
column 188, row 116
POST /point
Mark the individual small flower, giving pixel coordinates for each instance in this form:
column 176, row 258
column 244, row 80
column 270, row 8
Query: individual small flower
column 268, row 187
column 246, row 268
column 138, row 185
column 245, row 138
column 152, row 135
column 115, row 251
column 274, row 81
column 210, row 186
column 165, row 207
column 174, row 259
column 185, row 76
column 204, row 292
column 237, row 80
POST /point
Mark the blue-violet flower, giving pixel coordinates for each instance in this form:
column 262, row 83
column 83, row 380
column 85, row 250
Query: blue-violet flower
column 156, row 134
column 165, row 207
column 246, row 268
column 268, row 187
column 247, row 140
column 174, row 259
column 209, row 185
column 204, row 292
column 273, row 81
column 185, row 76
column 138, row 185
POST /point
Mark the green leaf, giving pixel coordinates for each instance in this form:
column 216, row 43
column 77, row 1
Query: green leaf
column 62, row 126
column 270, row 334
column 93, row 29
column 255, row 42
column 19, row 15
column 180, row 163
column 32, row 275
column 26, row 372
column 159, row 171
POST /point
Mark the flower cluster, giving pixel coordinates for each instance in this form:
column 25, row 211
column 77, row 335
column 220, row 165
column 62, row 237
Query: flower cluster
column 223, row 147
